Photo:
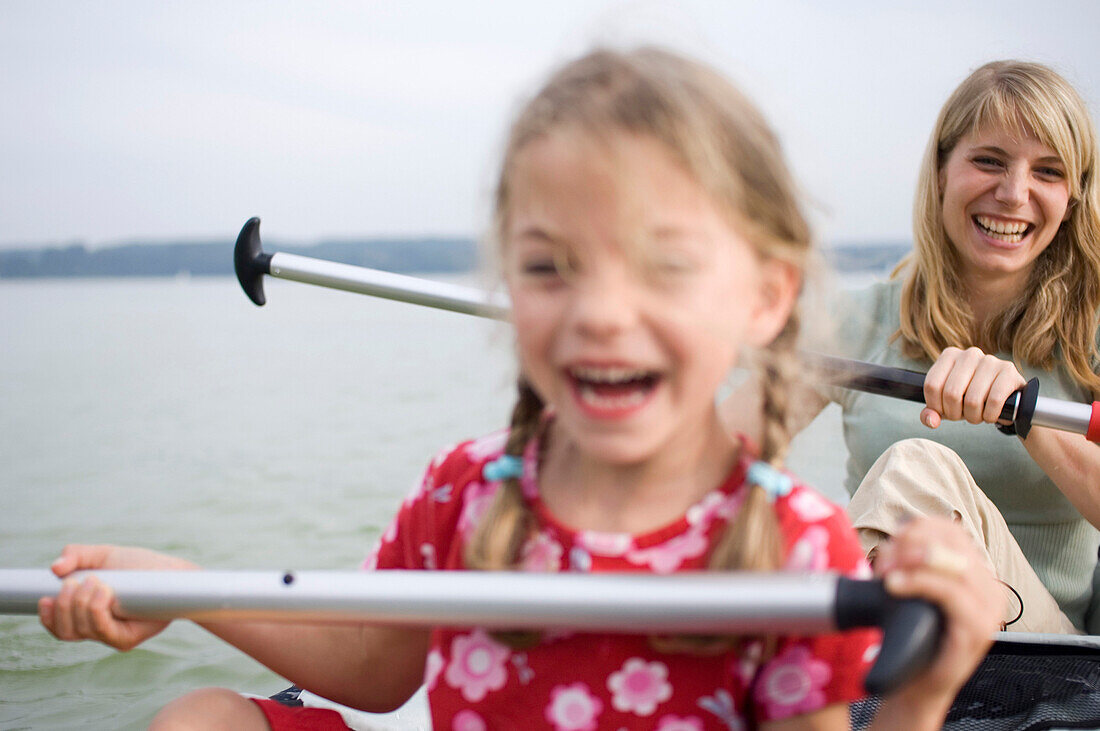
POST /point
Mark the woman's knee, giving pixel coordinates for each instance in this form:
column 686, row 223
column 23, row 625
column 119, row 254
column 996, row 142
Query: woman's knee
column 209, row 708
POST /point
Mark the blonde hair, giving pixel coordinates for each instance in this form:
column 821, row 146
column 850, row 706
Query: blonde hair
column 1056, row 317
column 724, row 142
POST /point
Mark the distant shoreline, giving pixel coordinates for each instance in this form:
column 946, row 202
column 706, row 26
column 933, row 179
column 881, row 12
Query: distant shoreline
column 402, row 255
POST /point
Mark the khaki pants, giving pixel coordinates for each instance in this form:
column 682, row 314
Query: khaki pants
column 920, row 477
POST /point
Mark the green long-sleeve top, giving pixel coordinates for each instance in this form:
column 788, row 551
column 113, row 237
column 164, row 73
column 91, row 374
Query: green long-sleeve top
column 1058, row 542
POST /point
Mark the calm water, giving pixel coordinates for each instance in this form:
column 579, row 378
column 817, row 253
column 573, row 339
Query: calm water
column 174, row 414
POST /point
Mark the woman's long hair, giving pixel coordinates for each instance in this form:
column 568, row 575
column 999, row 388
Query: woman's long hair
column 1056, row 318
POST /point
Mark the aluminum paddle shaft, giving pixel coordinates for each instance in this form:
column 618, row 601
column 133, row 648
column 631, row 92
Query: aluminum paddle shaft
column 1024, row 409
column 633, row 603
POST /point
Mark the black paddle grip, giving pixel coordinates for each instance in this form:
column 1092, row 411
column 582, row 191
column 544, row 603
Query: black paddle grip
column 250, row 262
column 912, row 630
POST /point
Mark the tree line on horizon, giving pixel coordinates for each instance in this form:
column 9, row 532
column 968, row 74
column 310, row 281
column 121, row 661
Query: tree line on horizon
column 406, row 255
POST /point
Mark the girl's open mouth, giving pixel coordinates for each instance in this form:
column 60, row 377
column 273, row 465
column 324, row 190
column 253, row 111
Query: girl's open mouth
column 610, row 392
column 1010, row 232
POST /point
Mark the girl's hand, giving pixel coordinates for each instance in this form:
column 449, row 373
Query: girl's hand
column 934, row 559
column 968, row 384
column 83, row 610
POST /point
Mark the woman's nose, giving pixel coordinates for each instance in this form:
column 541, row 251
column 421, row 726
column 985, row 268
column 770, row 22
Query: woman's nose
column 1012, row 190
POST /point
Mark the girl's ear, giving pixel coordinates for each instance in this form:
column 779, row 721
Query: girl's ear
column 779, row 287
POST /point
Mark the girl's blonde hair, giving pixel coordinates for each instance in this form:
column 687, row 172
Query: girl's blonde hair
column 1056, row 317
column 725, row 144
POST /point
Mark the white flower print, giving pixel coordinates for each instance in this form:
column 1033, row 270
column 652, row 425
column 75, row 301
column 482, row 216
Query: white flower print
column 427, row 556
column 490, row 445
column 370, row 563
column 573, row 708
column 811, row 551
column 432, row 668
column 605, row 544
column 639, row 686
column 811, row 507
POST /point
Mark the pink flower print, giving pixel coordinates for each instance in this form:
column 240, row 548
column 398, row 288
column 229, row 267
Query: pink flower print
column 811, row 551
column 639, row 686
column 573, row 708
column 811, row 507
column 792, row 683
column 676, row 723
column 487, row 447
column 542, row 553
column 467, row 720
column 432, row 668
column 477, row 665
column 605, row 544
column 476, row 499
column 665, row 558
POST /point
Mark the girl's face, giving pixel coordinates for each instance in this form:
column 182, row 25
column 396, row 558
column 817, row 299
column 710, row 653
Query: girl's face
column 631, row 294
column 1004, row 196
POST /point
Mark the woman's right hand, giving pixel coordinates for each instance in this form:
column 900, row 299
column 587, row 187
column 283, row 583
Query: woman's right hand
column 84, row 610
column 968, row 384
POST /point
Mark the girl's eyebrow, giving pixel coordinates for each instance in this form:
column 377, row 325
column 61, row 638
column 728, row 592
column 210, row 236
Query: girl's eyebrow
column 536, row 232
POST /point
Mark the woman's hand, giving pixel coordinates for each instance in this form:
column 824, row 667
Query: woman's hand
column 934, row 559
column 968, row 384
column 83, row 610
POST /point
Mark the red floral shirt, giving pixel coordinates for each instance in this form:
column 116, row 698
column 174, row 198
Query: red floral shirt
column 575, row 680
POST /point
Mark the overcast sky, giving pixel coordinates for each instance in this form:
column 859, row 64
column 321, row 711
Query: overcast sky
column 134, row 120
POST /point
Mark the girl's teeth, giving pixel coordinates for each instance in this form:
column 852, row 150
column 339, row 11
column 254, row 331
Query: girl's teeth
column 608, row 375
column 618, row 401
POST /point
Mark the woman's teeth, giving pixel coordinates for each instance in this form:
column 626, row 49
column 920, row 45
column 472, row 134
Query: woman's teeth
column 1011, row 232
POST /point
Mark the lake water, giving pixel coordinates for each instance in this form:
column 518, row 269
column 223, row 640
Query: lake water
column 174, row 414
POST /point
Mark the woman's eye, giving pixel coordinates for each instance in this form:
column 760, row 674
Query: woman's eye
column 987, row 162
column 1051, row 173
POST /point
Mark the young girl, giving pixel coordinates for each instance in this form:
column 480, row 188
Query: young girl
column 648, row 233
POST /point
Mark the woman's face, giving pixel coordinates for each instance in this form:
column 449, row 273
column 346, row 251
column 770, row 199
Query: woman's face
column 1004, row 195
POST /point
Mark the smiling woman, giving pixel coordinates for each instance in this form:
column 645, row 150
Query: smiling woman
column 1003, row 283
